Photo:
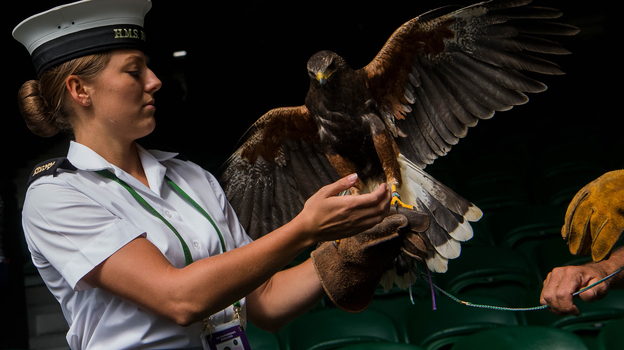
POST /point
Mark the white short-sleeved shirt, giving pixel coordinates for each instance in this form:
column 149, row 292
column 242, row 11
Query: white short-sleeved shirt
column 75, row 220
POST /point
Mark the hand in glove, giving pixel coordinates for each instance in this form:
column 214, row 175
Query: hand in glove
column 412, row 243
column 351, row 269
column 595, row 217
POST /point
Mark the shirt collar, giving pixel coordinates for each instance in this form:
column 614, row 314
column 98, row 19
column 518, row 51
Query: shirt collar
column 84, row 158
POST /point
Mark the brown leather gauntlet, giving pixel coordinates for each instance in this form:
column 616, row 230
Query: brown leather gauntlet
column 350, row 269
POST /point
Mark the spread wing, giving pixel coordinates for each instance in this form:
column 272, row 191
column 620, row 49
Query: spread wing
column 441, row 72
column 278, row 166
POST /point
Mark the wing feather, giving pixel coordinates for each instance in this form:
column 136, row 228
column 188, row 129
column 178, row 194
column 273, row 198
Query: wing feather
column 276, row 168
column 446, row 106
column 420, row 151
column 428, row 130
column 463, row 89
column 459, row 66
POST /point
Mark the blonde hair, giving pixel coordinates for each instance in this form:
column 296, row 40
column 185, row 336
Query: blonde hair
column 43, row 102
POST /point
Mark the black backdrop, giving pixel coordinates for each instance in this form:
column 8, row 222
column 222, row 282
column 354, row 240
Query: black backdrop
column 246, row 57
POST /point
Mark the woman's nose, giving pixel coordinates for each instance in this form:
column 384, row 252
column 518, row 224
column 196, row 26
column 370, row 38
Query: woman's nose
column 153, row 84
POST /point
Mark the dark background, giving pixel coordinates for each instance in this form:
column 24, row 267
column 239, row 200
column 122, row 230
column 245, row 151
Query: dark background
column 246, row 57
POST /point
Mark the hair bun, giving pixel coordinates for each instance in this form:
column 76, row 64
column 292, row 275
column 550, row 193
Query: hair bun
column 39, row 119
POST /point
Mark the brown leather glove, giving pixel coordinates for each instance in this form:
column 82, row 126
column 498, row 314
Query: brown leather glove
column 413, row 244
column 595, row 217
column 350, row 269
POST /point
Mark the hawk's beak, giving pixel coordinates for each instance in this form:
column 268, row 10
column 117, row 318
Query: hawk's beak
column 322, row 78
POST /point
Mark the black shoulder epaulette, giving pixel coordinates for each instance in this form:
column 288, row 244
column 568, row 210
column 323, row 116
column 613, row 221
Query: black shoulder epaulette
column 49, row 167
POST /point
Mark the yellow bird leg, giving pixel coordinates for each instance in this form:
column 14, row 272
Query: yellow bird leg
column 396, row 199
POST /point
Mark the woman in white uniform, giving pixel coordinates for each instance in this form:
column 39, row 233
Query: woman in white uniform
column 139, row 247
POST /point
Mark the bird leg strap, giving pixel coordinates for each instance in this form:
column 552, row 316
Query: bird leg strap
column 350, row 271
column 396, row 199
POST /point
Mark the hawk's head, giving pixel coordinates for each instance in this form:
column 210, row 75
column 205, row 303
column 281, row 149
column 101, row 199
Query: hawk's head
column 323, row 64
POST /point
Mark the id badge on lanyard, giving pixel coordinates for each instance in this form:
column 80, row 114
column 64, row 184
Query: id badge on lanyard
column 227, row 336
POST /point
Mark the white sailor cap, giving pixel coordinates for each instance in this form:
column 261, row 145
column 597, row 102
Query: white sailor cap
column 82, row 28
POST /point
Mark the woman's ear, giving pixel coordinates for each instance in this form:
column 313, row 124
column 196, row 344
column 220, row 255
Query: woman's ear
column 78, row 90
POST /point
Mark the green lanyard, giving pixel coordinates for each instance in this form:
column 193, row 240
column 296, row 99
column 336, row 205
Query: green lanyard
column 187, row 253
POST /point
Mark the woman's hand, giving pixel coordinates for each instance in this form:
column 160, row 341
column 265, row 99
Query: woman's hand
column 327, row 217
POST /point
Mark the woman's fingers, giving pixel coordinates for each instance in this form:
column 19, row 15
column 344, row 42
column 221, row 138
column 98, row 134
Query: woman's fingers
column 333, row 217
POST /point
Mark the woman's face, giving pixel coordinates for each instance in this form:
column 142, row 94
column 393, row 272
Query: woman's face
column 122, row 96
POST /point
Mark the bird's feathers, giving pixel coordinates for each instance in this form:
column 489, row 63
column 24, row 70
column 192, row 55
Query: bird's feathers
column 462, row 66
column 275, row 170
column 450, row 213
column 435, row 77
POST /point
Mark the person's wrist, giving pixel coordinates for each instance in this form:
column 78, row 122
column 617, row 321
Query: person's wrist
column 305, row 231
column 603, row 269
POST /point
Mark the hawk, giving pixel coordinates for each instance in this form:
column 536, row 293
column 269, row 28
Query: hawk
column 435, row 77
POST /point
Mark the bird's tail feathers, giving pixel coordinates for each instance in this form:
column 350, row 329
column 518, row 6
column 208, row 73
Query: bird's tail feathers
column 450, row 213
column 438, row 190
column 449, row 225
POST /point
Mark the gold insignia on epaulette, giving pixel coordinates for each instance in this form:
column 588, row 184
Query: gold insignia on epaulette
column 44, row 167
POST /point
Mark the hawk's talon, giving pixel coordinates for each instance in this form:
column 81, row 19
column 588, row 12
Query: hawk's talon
column 396, row 200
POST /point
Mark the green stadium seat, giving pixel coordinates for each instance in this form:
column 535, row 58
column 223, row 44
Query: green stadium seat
column 331, row 328
column 521, row 338
column 512, row 226
column 481, row 234
column 381, row 346
column 495, row 191
column 611, row 337
column 397, row 305
column 524, row 227
column 497, row 271
column 451, row 321
column 261, row 340
column 554, row 252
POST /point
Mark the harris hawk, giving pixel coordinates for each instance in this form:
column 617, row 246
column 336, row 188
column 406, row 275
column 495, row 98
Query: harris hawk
column 437, row 75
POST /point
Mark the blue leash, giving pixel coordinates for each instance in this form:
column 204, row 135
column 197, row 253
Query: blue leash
column 501, row 308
